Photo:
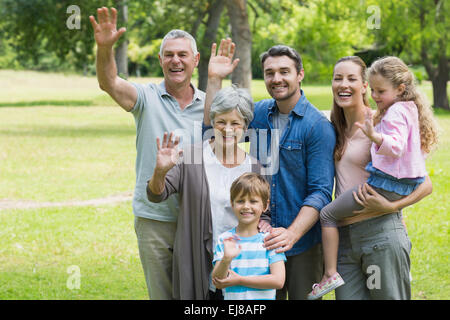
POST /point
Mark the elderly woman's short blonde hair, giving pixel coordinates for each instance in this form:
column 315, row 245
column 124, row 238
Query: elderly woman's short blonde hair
column 230, row 98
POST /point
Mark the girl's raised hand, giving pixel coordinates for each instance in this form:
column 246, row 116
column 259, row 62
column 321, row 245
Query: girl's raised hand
column 367, row 125
column 168, row 155
column 368, row 129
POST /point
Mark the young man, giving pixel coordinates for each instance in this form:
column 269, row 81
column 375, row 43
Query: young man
column 173, row 105
column 300, row 141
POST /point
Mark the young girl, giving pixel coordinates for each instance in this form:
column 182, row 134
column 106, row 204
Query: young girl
column 404, row 132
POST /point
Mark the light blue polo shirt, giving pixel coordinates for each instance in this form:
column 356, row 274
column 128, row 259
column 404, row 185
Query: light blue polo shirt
column 156, row 112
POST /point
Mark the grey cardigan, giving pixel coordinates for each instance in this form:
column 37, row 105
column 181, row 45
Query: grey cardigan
column 193, row 251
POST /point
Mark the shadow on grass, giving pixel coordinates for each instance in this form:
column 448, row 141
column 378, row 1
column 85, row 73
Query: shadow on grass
column 64, row 103
column 441, row 112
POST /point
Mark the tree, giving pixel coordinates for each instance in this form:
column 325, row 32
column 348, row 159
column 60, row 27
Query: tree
column 321, row 31
column 437, row 61
column 121, row 49
column 242, row 36
column 417, row 31
column 35, row 28
column 214, row 13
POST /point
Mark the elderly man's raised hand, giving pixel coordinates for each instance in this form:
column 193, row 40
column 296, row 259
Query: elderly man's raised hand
column 105, row 31
column 221, row 64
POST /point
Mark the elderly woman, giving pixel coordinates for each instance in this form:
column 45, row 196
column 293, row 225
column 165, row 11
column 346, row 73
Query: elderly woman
column 203, row 178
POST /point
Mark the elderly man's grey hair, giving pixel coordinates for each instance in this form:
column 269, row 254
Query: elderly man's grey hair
column 230, row 98
column 175, row 34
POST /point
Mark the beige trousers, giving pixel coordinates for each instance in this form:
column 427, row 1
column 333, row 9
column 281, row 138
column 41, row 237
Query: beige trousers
column 155, row 243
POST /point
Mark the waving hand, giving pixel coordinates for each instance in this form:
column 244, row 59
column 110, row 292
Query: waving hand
column 105, row 31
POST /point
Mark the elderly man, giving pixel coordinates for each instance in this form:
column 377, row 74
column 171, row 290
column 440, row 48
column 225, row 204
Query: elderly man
column 173, row 105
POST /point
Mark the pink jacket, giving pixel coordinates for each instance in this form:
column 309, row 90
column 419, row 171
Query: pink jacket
column 400, row 154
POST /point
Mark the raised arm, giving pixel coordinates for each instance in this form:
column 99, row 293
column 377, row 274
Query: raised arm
column 106, row 35
column 220, row 66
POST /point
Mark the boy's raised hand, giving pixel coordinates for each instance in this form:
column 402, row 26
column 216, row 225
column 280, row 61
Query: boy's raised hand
column 221, row 64
column 231, row 248
column 105, row 31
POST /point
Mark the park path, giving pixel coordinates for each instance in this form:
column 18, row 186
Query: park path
column 30, row 204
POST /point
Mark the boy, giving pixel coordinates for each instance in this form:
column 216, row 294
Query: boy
column 243, row 266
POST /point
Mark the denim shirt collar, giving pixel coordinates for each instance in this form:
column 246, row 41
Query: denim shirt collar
column 299, row 108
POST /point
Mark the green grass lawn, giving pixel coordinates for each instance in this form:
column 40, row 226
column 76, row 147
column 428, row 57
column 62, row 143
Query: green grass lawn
column 61, row 138
column 39, row 246
column 62, row 153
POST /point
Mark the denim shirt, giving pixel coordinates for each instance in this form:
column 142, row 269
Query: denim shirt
column 304, row 175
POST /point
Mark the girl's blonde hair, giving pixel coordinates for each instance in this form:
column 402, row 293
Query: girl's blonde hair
column 396, row 72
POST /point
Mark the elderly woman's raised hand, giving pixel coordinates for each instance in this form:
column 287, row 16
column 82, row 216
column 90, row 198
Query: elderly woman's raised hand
column 221, row 64
column 168, row 154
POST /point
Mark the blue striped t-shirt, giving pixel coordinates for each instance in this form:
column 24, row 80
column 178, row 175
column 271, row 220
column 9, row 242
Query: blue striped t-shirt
column 253, row 260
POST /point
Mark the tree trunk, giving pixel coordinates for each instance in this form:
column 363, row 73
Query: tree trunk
column 241, row 35
column 214, row 13
column 440, row 98
column 439, row 77
column 122, row 46
column 439, row 82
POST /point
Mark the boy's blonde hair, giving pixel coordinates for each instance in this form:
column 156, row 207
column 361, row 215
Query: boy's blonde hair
column 396, row 72
column 250, row 184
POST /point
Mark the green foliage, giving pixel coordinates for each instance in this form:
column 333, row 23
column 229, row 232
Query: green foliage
column 38, row 33
column 406, row 25
column 7, row 56
column 36, row 36
column 417, row 31
column 149, row 22
column 321, row 31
